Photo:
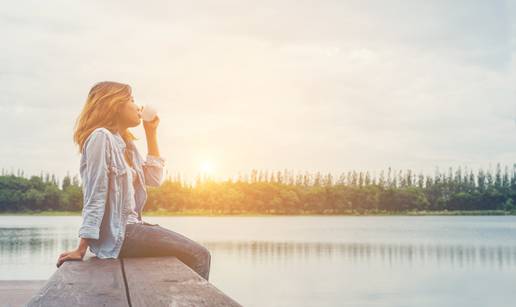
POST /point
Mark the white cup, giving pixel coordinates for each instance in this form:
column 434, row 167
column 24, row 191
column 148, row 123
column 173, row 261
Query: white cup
column 148, row 113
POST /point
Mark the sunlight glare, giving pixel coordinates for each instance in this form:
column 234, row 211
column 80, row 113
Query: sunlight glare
column 207, row 167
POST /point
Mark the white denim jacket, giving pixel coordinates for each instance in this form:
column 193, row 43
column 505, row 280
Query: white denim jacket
column 108, row 192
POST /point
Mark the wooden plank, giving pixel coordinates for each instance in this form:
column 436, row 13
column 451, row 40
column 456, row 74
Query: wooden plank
column 14, row 293
column 91, row 282
column 166, row 281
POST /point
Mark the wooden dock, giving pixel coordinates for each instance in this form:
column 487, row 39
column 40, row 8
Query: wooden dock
column 16, row 293
column 135, row 282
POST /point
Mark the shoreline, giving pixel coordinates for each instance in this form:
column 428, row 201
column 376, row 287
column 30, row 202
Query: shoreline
column 252, row 214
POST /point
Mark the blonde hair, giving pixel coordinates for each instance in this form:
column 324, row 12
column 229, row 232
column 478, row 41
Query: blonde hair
column 101, row 110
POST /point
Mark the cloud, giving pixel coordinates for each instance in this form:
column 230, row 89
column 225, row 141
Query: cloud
column 330, row 85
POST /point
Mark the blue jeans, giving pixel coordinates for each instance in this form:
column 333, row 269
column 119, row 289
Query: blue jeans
column 148, row 240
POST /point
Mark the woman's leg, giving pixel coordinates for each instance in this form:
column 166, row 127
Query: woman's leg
column 144, row 240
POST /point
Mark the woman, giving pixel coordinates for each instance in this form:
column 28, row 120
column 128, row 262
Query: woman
column 114, row 179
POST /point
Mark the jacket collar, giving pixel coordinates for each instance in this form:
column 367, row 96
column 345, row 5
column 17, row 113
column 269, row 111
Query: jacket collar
column 119, row 140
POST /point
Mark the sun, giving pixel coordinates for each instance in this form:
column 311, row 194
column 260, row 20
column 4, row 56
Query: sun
column 207, row 167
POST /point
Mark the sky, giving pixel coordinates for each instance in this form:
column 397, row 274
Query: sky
column 306, row 86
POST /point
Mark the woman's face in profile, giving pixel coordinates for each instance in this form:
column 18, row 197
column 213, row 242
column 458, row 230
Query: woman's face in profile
column 130, row 114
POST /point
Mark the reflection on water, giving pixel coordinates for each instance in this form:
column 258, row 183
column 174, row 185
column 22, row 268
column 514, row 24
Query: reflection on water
column 388, row 253
column 17, row 243
column 20, row 243
column 316, row 261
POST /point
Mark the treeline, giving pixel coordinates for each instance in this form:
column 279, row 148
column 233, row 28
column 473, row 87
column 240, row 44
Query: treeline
column 283, row 192
column 39, row 193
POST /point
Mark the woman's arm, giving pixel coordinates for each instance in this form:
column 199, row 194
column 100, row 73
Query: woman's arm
column 95, row 187
column 153, row 170
column 153, row 166
column 152, row 141
column 95, row 190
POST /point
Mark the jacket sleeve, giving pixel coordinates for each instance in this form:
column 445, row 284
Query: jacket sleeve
column 153, row 170
column 95, row 187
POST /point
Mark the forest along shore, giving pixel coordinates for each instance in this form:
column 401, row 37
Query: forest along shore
column 353, row 213
column 390, row 192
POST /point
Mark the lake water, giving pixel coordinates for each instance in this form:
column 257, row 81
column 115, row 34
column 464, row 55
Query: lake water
column 313, row 260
